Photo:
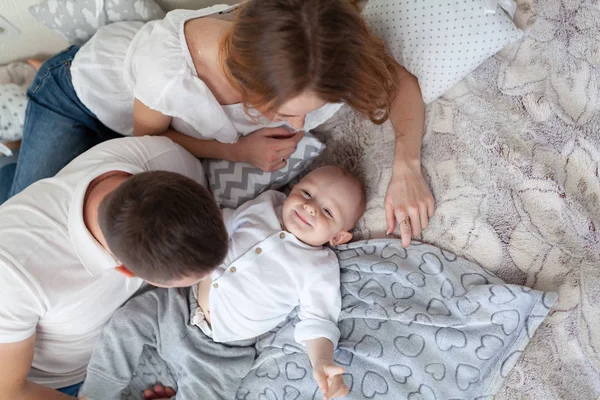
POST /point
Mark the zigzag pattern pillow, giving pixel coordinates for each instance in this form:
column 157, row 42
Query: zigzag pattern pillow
column 234, row 183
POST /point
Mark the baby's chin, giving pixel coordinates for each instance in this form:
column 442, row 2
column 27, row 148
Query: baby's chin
column 289, row 227
column 306, row 238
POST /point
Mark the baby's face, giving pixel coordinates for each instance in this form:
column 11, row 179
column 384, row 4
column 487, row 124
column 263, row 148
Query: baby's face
column 323, row 204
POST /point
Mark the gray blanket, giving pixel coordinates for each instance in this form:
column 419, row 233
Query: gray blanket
column 151, row 339
column 416, row 324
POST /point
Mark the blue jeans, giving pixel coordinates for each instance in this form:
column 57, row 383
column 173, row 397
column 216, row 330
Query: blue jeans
column 58, row 127
column 7, row 171
column 72, row 390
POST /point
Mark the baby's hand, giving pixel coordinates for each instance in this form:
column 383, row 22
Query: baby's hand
column 330, row 381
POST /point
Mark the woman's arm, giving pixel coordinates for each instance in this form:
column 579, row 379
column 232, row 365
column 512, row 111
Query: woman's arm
column 147, row 121
column 266, row 148
column 408, row 201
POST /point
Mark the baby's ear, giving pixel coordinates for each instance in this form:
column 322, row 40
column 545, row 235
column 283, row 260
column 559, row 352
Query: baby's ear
column 340, row 238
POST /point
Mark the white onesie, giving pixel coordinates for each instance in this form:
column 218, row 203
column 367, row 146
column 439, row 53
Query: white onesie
column 266, row 274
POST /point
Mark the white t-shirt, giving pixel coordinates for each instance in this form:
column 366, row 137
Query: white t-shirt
column 56, row 279
column 152, row 62
column 266, row 274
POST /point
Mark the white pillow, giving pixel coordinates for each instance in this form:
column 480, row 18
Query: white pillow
column 440, row 41
column 77, row 21
column 13, row 101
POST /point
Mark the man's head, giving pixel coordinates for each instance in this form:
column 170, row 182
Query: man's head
column 164, row 227
column 324, row 206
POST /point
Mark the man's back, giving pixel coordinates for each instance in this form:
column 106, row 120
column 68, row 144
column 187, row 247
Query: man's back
column 58, row 282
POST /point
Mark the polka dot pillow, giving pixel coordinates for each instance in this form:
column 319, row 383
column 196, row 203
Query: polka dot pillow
column 440, row 41
column 13, row 101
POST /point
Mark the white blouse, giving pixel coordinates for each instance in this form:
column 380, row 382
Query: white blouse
column 266, row 274
column 151, row 62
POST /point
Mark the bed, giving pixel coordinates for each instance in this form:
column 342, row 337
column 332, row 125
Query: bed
column 512, row 155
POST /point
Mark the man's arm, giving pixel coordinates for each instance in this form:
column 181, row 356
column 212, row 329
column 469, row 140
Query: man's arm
column 15, row 363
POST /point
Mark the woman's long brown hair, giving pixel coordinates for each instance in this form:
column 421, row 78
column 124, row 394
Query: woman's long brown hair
column 279, row 49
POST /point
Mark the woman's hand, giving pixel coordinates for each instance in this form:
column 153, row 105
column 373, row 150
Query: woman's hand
column 408, row 202
column 267, row 148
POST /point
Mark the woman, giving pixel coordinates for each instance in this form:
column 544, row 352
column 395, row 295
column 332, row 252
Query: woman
column 229, row 89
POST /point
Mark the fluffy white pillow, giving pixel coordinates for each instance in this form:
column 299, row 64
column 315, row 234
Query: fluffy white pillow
column 441, row 41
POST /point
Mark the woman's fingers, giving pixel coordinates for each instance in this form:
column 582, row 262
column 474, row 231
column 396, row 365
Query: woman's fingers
column 424, row 216
column 390, row 218
column 415, row 220
column 277, row 166
column 405, row 226
column 430, row 205
column 286, row 153
column 288, row 142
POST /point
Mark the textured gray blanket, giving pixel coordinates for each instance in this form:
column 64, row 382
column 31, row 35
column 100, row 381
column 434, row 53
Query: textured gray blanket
column 416, row 324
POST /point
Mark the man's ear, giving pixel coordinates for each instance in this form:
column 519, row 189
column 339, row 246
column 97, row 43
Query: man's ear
column 340, row 238
column 125, row 271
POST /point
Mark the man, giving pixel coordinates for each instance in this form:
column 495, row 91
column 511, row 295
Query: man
column 75, row 247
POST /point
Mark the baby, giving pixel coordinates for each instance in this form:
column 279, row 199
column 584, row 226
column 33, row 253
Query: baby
column 276, row 261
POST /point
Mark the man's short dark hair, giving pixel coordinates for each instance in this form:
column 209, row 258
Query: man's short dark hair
column 163, row 226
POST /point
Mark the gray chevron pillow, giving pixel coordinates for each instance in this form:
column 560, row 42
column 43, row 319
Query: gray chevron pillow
column 234, row 183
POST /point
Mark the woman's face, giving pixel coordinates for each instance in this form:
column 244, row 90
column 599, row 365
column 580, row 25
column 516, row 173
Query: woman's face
column 294, row 110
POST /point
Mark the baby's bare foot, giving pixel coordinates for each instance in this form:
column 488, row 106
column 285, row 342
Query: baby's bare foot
column 35, row 63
